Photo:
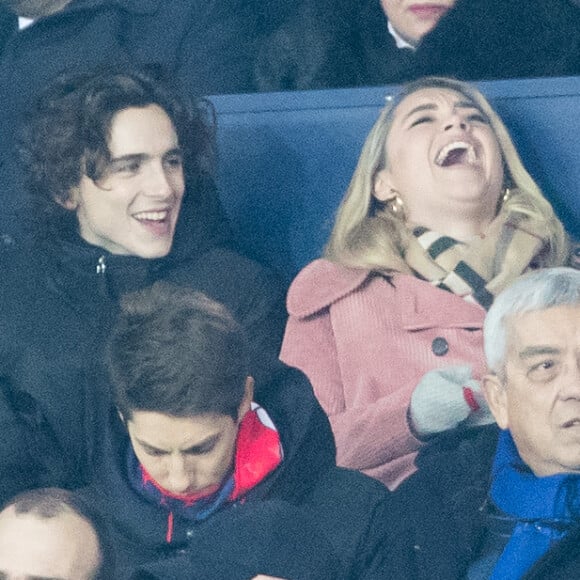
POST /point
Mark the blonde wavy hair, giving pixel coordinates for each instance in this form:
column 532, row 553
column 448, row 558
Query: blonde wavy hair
column 368, row 235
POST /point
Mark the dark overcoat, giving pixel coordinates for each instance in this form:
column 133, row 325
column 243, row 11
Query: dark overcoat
column 59, row 300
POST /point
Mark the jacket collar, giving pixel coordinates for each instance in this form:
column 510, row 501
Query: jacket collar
column 306, row 440
column 82, row 270
column 320, row 284
column 422, row 305
column 323, row 283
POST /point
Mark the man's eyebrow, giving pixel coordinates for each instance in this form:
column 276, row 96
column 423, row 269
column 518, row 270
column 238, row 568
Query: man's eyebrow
column 149, row 446
column 130, row 157
column 174, row 151
column 197, row 447
column 532, row 351
column 143, row 156
column 209, row 442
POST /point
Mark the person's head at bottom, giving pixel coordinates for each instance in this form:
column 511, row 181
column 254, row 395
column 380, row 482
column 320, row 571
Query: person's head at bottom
column 196, row 444
column 46, row 534
column 179, row 368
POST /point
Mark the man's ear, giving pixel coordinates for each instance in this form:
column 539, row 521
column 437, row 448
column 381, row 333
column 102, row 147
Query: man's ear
column 383, row 189
column 496, row 397
column 69, row 200
column 246, row 403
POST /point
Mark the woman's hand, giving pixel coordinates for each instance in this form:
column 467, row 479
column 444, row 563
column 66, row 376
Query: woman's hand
column 446, row 397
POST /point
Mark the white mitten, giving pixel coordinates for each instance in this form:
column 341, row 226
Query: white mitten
column 446, row 397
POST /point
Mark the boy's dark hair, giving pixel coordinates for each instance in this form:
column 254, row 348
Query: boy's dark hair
column 67, row 134
column 52, row 502
column 177, row 352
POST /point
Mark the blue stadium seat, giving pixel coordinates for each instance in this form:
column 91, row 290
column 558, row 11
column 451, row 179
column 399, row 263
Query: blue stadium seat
column 286, row 158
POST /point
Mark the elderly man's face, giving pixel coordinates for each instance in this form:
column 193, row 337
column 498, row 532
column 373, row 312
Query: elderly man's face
column 34, row 8
column 540, row 400
column 64, row 546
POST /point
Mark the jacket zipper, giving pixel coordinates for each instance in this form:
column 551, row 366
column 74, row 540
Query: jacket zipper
column 101, row 269
column 101, row 265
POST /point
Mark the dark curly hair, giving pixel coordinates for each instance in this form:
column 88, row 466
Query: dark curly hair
column 67, row 134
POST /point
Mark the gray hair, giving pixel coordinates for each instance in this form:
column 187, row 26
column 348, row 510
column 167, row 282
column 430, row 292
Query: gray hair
column 539, row 290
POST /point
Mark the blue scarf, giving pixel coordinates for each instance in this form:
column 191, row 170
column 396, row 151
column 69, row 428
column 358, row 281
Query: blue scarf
column 545, row 508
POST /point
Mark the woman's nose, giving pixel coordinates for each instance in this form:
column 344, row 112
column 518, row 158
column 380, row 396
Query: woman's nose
column 454, row 121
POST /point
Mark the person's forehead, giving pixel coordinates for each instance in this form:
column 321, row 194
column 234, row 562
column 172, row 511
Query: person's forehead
column 63, row 546
column 557, row 326
column 436, row 97
column 169, row 431
column 137, row 129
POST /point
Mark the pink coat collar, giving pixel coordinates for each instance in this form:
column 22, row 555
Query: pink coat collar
column 418, row 303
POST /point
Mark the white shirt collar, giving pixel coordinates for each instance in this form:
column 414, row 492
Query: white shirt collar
column 24, row 22
column 399, row 40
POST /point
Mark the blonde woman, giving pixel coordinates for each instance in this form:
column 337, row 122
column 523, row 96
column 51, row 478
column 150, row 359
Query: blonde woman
column 439, row 217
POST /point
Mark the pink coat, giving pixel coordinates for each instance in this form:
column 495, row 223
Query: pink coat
column 365, row 342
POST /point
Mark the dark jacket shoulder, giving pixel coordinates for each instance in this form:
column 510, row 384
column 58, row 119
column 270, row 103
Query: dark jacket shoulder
column 561, row 562
column 254, row 295
column 442, row 502
column 345, row 510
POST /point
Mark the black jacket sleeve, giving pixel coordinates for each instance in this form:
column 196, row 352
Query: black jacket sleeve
column 254, row 295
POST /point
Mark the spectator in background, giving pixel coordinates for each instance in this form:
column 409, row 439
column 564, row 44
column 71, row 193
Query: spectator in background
column 196, row 470
column 439, row 217
column 343, row 43
column 207, row 47
column 510, row 510
column 505, row 39
column 49, row 533
column 110, row 157
column 408, row 21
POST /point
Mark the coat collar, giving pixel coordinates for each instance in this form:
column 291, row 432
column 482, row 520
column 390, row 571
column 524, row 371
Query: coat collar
column 139, row 7
column 81, row 269
column 306, row 440
column 420, row 305
column 320, row 284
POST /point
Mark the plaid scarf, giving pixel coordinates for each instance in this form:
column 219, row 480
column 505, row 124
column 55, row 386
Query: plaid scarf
column 480, row 270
